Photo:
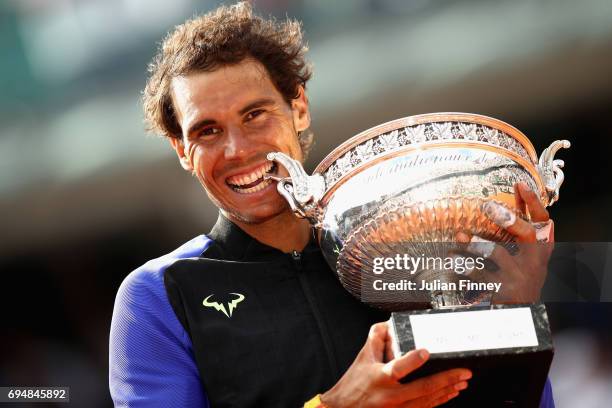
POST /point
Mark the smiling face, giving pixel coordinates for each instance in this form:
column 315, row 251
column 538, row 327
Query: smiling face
column 230, row 119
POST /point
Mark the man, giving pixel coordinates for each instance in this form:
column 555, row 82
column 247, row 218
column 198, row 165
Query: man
column 250, row 314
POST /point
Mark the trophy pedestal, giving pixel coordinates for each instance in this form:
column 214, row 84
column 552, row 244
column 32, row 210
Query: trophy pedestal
column 508, row 348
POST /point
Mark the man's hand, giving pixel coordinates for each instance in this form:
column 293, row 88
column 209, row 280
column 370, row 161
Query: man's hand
column 370, row 382
column 522, row 276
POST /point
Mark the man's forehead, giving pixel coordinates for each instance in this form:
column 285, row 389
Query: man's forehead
column 222, row 88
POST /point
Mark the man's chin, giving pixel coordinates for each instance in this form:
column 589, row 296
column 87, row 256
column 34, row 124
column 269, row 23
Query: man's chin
column 255, row 218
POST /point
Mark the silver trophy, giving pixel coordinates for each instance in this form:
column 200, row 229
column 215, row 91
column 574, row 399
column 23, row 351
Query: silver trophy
column 407, row 187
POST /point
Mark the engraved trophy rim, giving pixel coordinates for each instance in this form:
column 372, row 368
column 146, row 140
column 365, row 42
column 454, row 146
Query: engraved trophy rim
column 420, row 119
column 529, row 160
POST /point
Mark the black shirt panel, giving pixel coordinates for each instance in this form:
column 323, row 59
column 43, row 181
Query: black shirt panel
column 292, row 336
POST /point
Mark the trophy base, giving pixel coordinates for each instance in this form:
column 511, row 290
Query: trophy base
column 508, row 348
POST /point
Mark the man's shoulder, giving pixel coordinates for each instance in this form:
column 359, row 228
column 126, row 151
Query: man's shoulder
column 142, row 300
column 150, row 354
column 152, row 271
column 149, row 278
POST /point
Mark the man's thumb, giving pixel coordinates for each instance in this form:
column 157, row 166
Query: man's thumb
column 400, row 367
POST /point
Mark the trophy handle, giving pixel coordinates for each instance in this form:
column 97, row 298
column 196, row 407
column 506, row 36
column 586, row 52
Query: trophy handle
column 550, row 169
column 301, row 191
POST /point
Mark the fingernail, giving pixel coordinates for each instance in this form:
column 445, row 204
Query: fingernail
column 451, row 396
column 499, row 214
column 481, row 246
column 542, row 230
column 461, row 386
column 465, row 375
column 423, row 354
column 463, row 238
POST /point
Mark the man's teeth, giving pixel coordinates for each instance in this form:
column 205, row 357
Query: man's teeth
column 239, row 182
column 259, row 186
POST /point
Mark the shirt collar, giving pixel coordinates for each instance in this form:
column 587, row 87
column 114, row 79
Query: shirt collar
column 232, row 243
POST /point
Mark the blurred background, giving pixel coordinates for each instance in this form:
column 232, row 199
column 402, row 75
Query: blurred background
column 86, row 196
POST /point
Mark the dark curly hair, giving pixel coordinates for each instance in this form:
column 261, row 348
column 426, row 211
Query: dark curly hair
column 225, row 36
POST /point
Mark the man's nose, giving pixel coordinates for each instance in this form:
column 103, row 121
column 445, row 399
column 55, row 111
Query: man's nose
column 237, row 144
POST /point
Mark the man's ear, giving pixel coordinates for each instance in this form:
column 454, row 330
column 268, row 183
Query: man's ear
column 301, row 113
column 179, row 148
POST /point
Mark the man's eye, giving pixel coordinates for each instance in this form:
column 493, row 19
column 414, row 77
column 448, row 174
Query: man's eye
column 254, row 114
column 210, row 131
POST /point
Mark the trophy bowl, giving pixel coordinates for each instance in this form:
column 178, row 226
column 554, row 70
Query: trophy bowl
column 409, row 187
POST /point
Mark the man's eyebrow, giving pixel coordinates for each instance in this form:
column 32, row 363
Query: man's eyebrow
column 207, row 122
column 256, row 104
column 199, row 125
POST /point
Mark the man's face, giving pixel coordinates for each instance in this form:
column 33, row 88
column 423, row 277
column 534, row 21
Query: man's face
column 230, row 119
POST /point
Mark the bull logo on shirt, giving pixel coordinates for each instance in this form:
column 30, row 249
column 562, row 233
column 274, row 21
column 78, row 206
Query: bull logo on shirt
column 231, row 305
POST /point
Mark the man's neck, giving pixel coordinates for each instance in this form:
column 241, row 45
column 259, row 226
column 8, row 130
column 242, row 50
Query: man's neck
column 285, row 232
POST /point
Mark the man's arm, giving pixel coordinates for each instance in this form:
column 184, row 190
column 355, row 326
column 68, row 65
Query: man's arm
column 151, row 358
column 547, row 400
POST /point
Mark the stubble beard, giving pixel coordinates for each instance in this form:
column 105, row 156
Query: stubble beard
column 234, row 215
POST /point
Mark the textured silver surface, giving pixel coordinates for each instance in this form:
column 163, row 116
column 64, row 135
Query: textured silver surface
column 412, row 188
column 423, row 133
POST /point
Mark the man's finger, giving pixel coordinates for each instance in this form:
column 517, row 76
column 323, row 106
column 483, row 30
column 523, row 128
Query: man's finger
column 543, row 230
column 520, row 203
column 438, row 397
column 499, row 214
column 505, row 218
column 551, row 235
column 502, row 258
column 400, row 367
column 444, row 399
column 537, row 212
column 481, row 246
column 523, row 231
column 389, row 354
column 431, row 384
column 463, row 237
column 375, row 345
